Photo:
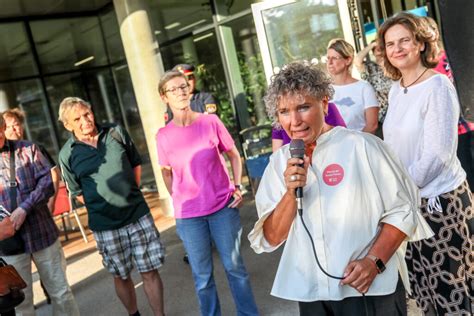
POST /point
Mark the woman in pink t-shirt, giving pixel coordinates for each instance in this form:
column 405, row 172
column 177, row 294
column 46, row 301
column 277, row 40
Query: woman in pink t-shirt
column 190, row 151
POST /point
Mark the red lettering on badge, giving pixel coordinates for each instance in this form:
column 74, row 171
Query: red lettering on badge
column 333, row 174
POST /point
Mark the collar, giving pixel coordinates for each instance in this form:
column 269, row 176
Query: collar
column 74, row 140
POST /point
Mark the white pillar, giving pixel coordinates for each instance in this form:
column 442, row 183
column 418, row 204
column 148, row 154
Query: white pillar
column 146, row 68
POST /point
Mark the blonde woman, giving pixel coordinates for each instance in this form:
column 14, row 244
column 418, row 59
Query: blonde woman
column 355, row 99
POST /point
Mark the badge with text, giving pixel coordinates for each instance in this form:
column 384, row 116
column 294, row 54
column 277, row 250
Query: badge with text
column 333, row 174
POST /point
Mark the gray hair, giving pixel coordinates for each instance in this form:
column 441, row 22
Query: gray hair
column 298, row 78
column 68, row 104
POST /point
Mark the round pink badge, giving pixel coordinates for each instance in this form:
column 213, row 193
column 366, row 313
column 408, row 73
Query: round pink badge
column 333, row 174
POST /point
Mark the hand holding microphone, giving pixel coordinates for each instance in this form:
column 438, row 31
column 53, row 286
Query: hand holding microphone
column 295, row 173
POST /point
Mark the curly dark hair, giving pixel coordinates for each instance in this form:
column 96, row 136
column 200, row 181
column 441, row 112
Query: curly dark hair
column 422, row 33
column 299, row 77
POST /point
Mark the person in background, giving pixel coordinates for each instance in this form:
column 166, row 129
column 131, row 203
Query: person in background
column 421, row 128
column 465, row 127
column 102, row 169
column 373, row 73
column 15, row 120
column 201, row 102
column 15, row 130
column 280, row 138
column 355, row 99
column 32, row 219
column 190, row 150
column 357, row 212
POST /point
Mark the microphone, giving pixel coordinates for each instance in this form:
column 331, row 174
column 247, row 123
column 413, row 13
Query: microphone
column 297, row 151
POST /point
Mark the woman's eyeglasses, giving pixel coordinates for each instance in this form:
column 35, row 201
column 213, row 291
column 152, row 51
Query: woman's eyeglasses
column 176, row 90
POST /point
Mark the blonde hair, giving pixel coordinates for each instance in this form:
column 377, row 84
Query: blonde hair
column 15, row 113
column 422, row 31
column 342, row 47
column 68, row 104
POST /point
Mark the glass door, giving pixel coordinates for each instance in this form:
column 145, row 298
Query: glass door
column 289, row 30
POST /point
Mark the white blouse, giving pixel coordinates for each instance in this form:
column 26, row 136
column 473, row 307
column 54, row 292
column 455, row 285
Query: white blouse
column 421, row 127
column 353, row 185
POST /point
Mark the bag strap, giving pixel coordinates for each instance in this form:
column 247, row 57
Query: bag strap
column 13, row 183
column 3, row 263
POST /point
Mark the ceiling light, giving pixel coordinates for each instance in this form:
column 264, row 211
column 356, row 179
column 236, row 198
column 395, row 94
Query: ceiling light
column 197, row 39
column 192, row 25
column 172, row 25
column 85, row 60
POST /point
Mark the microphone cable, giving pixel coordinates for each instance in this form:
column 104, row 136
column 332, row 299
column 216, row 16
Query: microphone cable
column 300, row 212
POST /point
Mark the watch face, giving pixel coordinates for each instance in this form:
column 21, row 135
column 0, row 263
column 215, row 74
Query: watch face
column 380, row 265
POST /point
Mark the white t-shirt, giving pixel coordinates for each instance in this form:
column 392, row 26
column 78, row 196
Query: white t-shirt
column 421, row 127
column 353, row 184
column 352, row 100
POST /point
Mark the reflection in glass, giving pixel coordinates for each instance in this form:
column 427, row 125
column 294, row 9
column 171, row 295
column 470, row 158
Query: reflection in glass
column 250, row 66
column 226, row 8
column 16, row 59
column 112, row 36
column 29, row 97
column 69, row 44
column 132, row 119
column 178, row 18
column 301, row 30
column 96, row 87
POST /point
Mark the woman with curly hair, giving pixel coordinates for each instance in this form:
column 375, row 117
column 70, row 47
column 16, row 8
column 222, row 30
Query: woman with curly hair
column 421, row 127
column 359, row 207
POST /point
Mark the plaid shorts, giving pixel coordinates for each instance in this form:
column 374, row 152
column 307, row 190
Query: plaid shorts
column 139, row 241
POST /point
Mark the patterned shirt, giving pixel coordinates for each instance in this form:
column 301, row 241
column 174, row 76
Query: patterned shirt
column 374, row 75
column 34, row 187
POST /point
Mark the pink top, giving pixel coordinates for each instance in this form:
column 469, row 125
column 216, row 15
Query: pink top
column 201, row 183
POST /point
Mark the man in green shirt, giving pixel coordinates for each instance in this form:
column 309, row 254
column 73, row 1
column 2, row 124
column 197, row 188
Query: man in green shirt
column 102, row 169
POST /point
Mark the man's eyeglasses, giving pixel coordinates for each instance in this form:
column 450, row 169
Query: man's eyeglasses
column 175, row 90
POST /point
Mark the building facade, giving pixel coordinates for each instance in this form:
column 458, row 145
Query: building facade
column 112, row 53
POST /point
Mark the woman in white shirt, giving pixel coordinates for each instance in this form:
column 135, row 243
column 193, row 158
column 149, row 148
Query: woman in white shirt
column 355, row 99
column 421, row 127
column 359, row 206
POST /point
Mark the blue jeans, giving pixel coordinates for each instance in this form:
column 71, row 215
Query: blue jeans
column 224, row 229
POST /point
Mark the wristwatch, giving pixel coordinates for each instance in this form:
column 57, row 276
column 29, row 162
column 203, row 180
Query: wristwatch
column 239, row 186
column 378, row 263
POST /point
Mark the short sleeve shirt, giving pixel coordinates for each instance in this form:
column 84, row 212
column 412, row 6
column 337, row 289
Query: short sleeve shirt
column 201, row 183
column 352, row 100
column 105, row 177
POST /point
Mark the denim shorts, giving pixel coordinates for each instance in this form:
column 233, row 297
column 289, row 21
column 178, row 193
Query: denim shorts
column 137, row 243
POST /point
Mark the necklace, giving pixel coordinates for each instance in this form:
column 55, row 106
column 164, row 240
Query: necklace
column 405, row 88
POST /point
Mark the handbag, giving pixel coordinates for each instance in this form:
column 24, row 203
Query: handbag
column 11, row 285
column 15, row 244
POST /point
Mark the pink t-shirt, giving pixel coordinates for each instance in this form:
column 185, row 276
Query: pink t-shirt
column 201, row 183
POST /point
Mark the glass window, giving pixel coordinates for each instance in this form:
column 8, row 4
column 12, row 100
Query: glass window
column 69, row 44
column 226, row 8
column 112, row 36
column 132, row 120
column 301, row 30
column 250, row 66
column 178, row 18
column 96, row 87
column 29, row 97
column 16, row 59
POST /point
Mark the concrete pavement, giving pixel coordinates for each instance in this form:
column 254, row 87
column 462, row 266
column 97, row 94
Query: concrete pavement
column 95, row 294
